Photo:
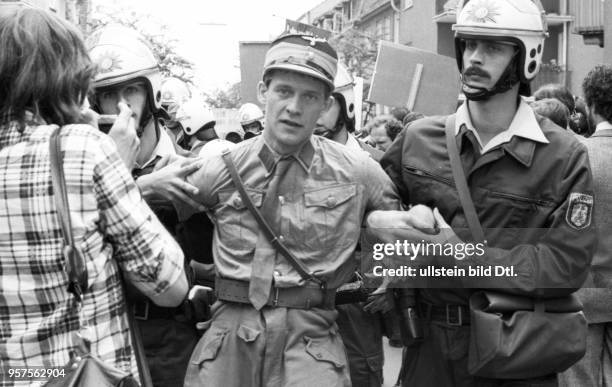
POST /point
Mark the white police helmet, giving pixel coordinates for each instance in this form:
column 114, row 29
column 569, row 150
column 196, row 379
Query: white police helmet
column 521, row 22
column 174, row 91
column 344, row 84
column 193, row 116
column 123, row 55
column 249, row 113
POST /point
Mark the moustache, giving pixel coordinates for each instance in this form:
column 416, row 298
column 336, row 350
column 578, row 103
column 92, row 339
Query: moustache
column 476, row 71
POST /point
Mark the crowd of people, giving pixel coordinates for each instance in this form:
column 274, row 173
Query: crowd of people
column 242, row 257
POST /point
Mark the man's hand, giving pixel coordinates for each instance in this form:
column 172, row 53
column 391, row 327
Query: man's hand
column 169, row 182
column 123, row 132
column 411, row 225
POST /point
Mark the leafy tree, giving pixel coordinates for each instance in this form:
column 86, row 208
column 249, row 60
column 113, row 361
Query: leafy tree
column 357, row 51
column 228, row 98
column 154, row 31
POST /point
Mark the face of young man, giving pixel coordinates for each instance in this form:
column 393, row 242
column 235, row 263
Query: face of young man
column 485, row 61
column 133, row 94
column 380, row 138
column 294, row 102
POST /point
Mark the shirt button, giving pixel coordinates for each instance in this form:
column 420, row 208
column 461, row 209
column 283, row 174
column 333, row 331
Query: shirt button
column 281, row 200
column 237, row 202
column 331, row 201
column 281, row 238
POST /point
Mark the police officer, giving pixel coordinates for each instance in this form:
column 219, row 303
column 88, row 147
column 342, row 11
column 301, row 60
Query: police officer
column 361, row 331
column 128, row 73
column 273, row 326
column 251, row 118
column 524, row 174
column 174, row 92
column 198, row 123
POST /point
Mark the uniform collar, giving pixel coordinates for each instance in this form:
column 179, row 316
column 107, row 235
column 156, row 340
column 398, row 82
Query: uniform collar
column 604, row 125
column 163, row 148
column 269, row 157
column 523, row 125
column 352, row 142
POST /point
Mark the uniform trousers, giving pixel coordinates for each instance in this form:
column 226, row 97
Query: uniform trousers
column 361, row 333
column 168, row 344
column 441, row 361
column 271, row 347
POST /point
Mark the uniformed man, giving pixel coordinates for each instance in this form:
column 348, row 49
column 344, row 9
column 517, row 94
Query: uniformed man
column 174, row 92
column 251, row 118
column 271, row 326
column 361, row 331
column 198, row 122
column 128, row 73
column 525, row 174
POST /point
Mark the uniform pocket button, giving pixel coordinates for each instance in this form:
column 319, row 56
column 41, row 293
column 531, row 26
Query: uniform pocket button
column 331, row 201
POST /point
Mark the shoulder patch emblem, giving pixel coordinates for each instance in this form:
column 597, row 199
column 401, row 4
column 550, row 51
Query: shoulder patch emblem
column 579, row 211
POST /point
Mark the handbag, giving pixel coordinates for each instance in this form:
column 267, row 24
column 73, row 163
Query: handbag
column 85, row 369
column 512, row 336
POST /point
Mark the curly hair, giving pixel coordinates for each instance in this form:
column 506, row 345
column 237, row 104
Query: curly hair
column 597, row 88
column 392, row 126
column 44, row 67
column 552, row 109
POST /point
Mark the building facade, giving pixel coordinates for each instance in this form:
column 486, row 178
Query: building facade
column 76, row 11
column 576, row 42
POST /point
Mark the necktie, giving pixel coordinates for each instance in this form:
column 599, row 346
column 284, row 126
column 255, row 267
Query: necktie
column 262, row 268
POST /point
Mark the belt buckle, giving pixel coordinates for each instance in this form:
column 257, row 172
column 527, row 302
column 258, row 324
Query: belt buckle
column 459, row 320
column 145, row 315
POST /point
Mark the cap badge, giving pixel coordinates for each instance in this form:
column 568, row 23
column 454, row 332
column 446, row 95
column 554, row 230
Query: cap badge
column 313, row 40
column 109, row 62
column 482, row 11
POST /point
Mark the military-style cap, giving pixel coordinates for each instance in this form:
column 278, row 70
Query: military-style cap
column 304, row 54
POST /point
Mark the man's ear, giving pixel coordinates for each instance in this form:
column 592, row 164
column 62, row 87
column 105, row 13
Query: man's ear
column 262, row 89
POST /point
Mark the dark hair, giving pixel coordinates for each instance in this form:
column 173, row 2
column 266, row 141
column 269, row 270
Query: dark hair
column 399, row 113
column 393, row 128
column 557, row 91
column 44, row 67
column 233, row 137
column 552, row 109
column 412, row 116
column 597, row 88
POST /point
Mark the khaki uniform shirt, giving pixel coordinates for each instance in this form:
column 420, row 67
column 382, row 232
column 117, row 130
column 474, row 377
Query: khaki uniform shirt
column 331, row 189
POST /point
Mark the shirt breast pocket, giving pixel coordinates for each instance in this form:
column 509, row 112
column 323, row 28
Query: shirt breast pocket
column 330, row 215
column 238, row 228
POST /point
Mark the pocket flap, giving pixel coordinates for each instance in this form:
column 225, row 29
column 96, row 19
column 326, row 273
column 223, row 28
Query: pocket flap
column 247, row 334
column 321, row 351
column 330, row 197
column 213, row 338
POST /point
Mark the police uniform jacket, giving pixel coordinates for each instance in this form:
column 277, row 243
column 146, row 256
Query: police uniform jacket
column 533, row 199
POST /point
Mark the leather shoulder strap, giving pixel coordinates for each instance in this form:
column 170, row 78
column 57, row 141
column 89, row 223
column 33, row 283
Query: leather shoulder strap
column 461, row 182
column 77, row 276
column 265, row 226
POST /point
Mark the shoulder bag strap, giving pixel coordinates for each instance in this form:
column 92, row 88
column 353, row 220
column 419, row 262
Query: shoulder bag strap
column 461, row 182
column 274, row 241
column 77, row 275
